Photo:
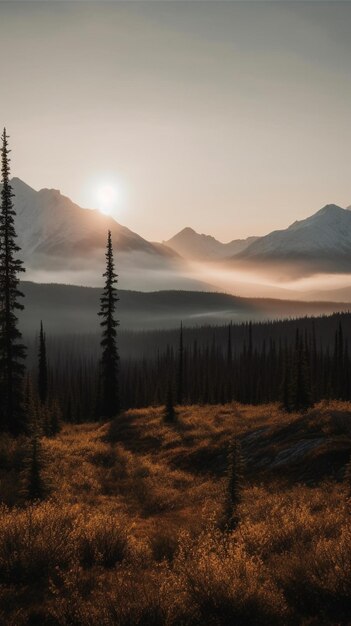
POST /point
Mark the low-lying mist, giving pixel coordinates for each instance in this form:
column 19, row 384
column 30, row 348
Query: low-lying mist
column 252, row 281
column 263, row 282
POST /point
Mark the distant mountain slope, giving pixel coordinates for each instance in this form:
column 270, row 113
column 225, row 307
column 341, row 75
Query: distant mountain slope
column 322, row 242
column 62, row 242
column 51, row 224
column 191, row 245
column 70, row 309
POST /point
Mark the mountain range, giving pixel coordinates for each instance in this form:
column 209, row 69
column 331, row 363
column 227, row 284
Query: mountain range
column 191, row 245
column 320, row 243
column 50, row 224
column 63, row 242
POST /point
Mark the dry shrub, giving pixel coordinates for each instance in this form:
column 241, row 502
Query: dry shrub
column 226, row 585
column 101, row 539
column 39, row 540
column 126, row 600
column 113, row 476
column 319, row 584
column 12, row 454
column 282, row 521
column 164, row 544
column 114, row 430
column 154, row 497
column 108, row 549
column 104, row 457
column 33, row 542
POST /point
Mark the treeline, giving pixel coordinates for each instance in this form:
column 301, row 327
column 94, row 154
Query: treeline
column 295, row 362
column 206, row 366
column 147, row 343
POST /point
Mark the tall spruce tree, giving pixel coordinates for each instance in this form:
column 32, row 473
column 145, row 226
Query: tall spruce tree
column 110, row 403
column 42, row 367
column 286, row 383
column 300, row 389
column 34, row 485
column 347, row 482
column 169, row 412
column 229, row 393
column 12, row 351
column 234, row 485
column 180, row 373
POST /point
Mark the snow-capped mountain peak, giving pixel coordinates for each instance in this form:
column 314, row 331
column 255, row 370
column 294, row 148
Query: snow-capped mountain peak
column 58, row 237
column 324, row 237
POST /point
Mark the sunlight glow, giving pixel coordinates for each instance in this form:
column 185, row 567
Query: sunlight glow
column 107, row 197
column 106, row 192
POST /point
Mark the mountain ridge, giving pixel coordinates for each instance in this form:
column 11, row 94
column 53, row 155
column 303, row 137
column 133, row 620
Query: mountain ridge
column 57, row 234
column 95, row 225
column 63, row 242
column 199, row 246
column 320, row 243
column 73, row 309
column 322, row 240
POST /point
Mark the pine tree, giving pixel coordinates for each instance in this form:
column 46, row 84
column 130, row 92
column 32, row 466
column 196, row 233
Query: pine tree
column 12, row 351
column 42, row 367
column 233, row 486
column 169, row 413
column 300, row 385
column 34, row 486
column 110, row 359
column 286, row 385
column 51, row 417
column 55, row 418
column 68, row 410
column 347, row 482
column 229, row 365
column 180, row 374
column 33, row 416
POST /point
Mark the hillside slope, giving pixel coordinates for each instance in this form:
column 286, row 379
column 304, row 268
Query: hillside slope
column 68, row 308
column 132, row 530
column 64, row 242
column 321, row 242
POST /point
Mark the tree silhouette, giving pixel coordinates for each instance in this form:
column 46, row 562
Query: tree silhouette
column 234, row 485
column 34, row 485
column 229, row 365
column 286, row 385
column 12, row 351
column 347, row 482
column 300, row 385
column 110, row 404
column 42, row 367
column 180, row 373
column 169, row 413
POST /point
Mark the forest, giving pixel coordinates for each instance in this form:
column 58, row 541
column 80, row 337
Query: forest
column 248, row 363
column 186, row 476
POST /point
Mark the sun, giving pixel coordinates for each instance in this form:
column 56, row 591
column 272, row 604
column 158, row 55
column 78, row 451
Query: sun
column 107, row 198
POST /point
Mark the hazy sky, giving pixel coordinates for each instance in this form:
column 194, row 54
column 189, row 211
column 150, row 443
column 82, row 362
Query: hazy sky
column 230, row 117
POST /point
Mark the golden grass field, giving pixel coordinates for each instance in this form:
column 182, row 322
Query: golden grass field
column 129, row 534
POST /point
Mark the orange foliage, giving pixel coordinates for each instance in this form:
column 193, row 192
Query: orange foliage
column 130, row 534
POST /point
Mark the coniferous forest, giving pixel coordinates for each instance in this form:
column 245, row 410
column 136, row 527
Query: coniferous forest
column 175, row 313
column 189, row 476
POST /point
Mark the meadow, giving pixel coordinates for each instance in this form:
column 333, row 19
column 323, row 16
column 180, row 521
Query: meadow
column 130, row 533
